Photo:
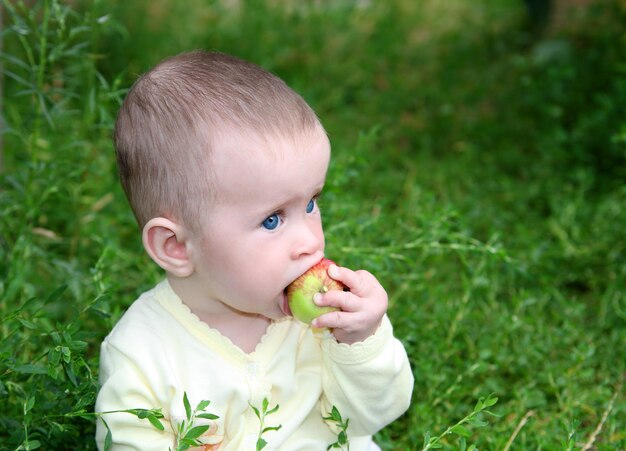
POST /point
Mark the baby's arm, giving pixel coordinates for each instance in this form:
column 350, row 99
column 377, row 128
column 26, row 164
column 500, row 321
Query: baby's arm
column 366, row 372
column 125, row 387
column 370, row 382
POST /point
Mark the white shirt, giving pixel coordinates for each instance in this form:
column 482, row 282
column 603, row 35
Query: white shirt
column 159, row 351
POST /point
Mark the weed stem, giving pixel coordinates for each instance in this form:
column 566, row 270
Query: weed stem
column 605, row 415
column 519, row 427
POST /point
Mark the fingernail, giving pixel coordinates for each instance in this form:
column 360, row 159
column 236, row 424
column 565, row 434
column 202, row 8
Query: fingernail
column 333, row 271
column 317, row 298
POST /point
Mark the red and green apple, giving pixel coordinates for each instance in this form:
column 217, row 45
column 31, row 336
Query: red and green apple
column 301, row 291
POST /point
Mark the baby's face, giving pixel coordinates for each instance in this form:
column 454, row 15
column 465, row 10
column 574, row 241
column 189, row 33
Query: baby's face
column 264, row 228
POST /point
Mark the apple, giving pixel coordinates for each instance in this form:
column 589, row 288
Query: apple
column 301, row 291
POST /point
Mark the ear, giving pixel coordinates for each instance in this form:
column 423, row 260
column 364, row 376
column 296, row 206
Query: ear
column 166, row 243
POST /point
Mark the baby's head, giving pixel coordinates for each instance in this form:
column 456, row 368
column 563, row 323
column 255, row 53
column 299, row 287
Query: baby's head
column 175, row 118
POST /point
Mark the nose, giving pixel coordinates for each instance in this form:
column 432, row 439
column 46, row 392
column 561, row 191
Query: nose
column 308, row 239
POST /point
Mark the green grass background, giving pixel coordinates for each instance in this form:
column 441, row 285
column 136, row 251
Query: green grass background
column 478, row 170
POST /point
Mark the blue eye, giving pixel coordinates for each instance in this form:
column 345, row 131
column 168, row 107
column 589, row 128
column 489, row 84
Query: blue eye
column 271, row 222
column 310, row 206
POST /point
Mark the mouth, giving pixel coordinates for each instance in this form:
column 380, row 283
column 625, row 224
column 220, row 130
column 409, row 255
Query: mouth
column 284, row 304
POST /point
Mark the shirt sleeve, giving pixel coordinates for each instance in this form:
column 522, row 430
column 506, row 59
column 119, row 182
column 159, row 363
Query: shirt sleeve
column 123, row 387
column 369, row 382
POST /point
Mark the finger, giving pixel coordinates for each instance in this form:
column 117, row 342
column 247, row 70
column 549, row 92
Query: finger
column 334, row 320
column 344, row 300
column 356, row 281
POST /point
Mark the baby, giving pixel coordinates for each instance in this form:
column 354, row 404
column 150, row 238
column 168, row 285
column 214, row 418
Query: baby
column 223, row 164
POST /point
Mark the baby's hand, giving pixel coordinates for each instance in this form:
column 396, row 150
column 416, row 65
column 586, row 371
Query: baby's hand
column 362, row 308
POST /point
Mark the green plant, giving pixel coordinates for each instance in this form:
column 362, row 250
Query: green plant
column 460, row 427
column 53, row 298
column 342, row 441
column 187, row 433
column 153, row 416
column 262, row 414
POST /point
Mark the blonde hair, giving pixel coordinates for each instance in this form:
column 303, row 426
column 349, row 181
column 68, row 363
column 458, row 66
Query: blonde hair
column 171, row 120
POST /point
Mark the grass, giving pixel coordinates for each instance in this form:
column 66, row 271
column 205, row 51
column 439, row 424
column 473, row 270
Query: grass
column 478, row 171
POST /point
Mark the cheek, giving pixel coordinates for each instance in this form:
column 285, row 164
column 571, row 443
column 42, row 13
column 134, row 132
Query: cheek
column 222, row 256
column 319, row 232
column 254, row 258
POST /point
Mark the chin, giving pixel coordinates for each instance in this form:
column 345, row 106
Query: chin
column 274, row 316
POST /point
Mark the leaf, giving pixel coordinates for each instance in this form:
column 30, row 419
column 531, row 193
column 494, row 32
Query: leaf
column 66, row 354
column 30, row 403
column 33, row 444
column 56, row 338
column 334, row 415
column 426, row 439
column 187, row 406
column 54, row 356
column 27, row 324
column 260, row 444
column 477, row 422
column 190, row 441
column 196, row 432
column 31, row 369
column 108, row 440
column 264, row 404
column 203, row 405
column 56, row 294
column 459, row 429
column 69, row 371
column 274, row 409
column 78, row 345
column 100, row 313
column 207, row 416
column 154, row 421
column 490, row 401
column 256, row 411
